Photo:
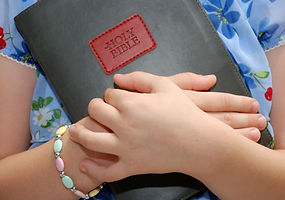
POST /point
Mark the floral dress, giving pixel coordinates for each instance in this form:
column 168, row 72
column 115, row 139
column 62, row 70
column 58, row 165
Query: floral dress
column 248, row 28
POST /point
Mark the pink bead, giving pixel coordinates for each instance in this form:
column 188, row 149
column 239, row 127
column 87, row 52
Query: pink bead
column 79, row 194
column 59, row 164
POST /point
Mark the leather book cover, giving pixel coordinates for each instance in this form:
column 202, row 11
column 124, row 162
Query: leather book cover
column 81, row 44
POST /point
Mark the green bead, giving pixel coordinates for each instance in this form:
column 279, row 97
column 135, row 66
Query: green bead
column 57, row 146
column 67, row 182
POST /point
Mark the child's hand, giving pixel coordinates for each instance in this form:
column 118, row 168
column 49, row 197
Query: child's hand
column 153, row 133
column 239, row 112
column 73, row 153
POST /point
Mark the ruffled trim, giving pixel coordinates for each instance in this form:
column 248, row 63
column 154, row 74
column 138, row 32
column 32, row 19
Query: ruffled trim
column 19, row 62
column 280, row 43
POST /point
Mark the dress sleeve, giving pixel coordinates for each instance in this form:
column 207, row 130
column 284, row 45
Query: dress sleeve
column 12, row 44
column 268, row 21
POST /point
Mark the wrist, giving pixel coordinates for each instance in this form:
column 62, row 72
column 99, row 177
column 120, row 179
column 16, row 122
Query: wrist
column 72, row 153
column 210, row 150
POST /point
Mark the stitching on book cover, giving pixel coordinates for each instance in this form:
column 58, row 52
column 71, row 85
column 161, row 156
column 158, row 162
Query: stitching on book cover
column 114, row 28
column 223, row 47
column 233, row 64
column 24, row 12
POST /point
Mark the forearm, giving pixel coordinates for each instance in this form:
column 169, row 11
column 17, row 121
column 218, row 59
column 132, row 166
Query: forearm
column 276, row 58
column 248, row 170
column 241, row 169
column 32, row 174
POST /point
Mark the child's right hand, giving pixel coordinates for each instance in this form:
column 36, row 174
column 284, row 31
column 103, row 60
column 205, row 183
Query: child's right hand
column 239, row 112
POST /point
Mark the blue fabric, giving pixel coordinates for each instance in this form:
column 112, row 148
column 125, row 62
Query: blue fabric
column 247, row 28
column 11, row 43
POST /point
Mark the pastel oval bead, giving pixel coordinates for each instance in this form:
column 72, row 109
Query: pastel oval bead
column 57, row 146
column 79, row 194
column 61, row 130
column 67, row 182
column 59, row 164
column 94, row 192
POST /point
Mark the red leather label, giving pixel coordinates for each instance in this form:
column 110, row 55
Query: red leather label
column 122, row 44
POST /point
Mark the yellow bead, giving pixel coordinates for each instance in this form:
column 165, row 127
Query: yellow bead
column 61, row 130
column 94, row 192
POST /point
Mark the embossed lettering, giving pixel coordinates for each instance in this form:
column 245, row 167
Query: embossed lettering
column 122, row 42
column 125, row 47
column 119, row 39
column 110, row 44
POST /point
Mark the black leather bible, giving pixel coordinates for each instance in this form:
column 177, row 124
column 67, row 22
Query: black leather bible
column 81, row 44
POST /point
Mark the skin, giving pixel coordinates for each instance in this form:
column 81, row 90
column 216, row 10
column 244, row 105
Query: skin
column 38, row 165
column 230, row 165
column 21, row 171
column 10, row 108
column 276, row 59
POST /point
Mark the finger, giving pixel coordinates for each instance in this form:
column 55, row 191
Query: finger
column 118, row 98
column 92, row 125
column 102, row 158
column 250, row 133
column 95, row 141
column 241, row 120
column 103, row 113
column 191, row 81
column 143, row 82
column 223, row 102
column 96, row 170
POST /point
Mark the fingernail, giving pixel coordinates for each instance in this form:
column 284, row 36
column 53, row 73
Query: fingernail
column 255, row 106
column 118, row 75
column 209, row 76
column 255, row 134
column 72, row 129
column 261, row 122
column 83, row 169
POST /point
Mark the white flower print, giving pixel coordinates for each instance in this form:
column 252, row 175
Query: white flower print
column 38, row 138
column 42, row 116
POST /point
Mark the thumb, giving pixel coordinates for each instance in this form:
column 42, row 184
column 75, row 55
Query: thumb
column 191, row 81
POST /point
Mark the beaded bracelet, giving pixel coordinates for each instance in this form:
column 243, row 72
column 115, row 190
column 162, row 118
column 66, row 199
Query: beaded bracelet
column 66, row 180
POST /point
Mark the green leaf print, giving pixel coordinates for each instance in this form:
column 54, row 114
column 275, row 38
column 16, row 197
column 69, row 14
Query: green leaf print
column 35, row 105
column 52, row 119
column 47, row 101
column 262, row 74
column 41, row 102
column 57, row 113
column 273, row 143
column 47, row 125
